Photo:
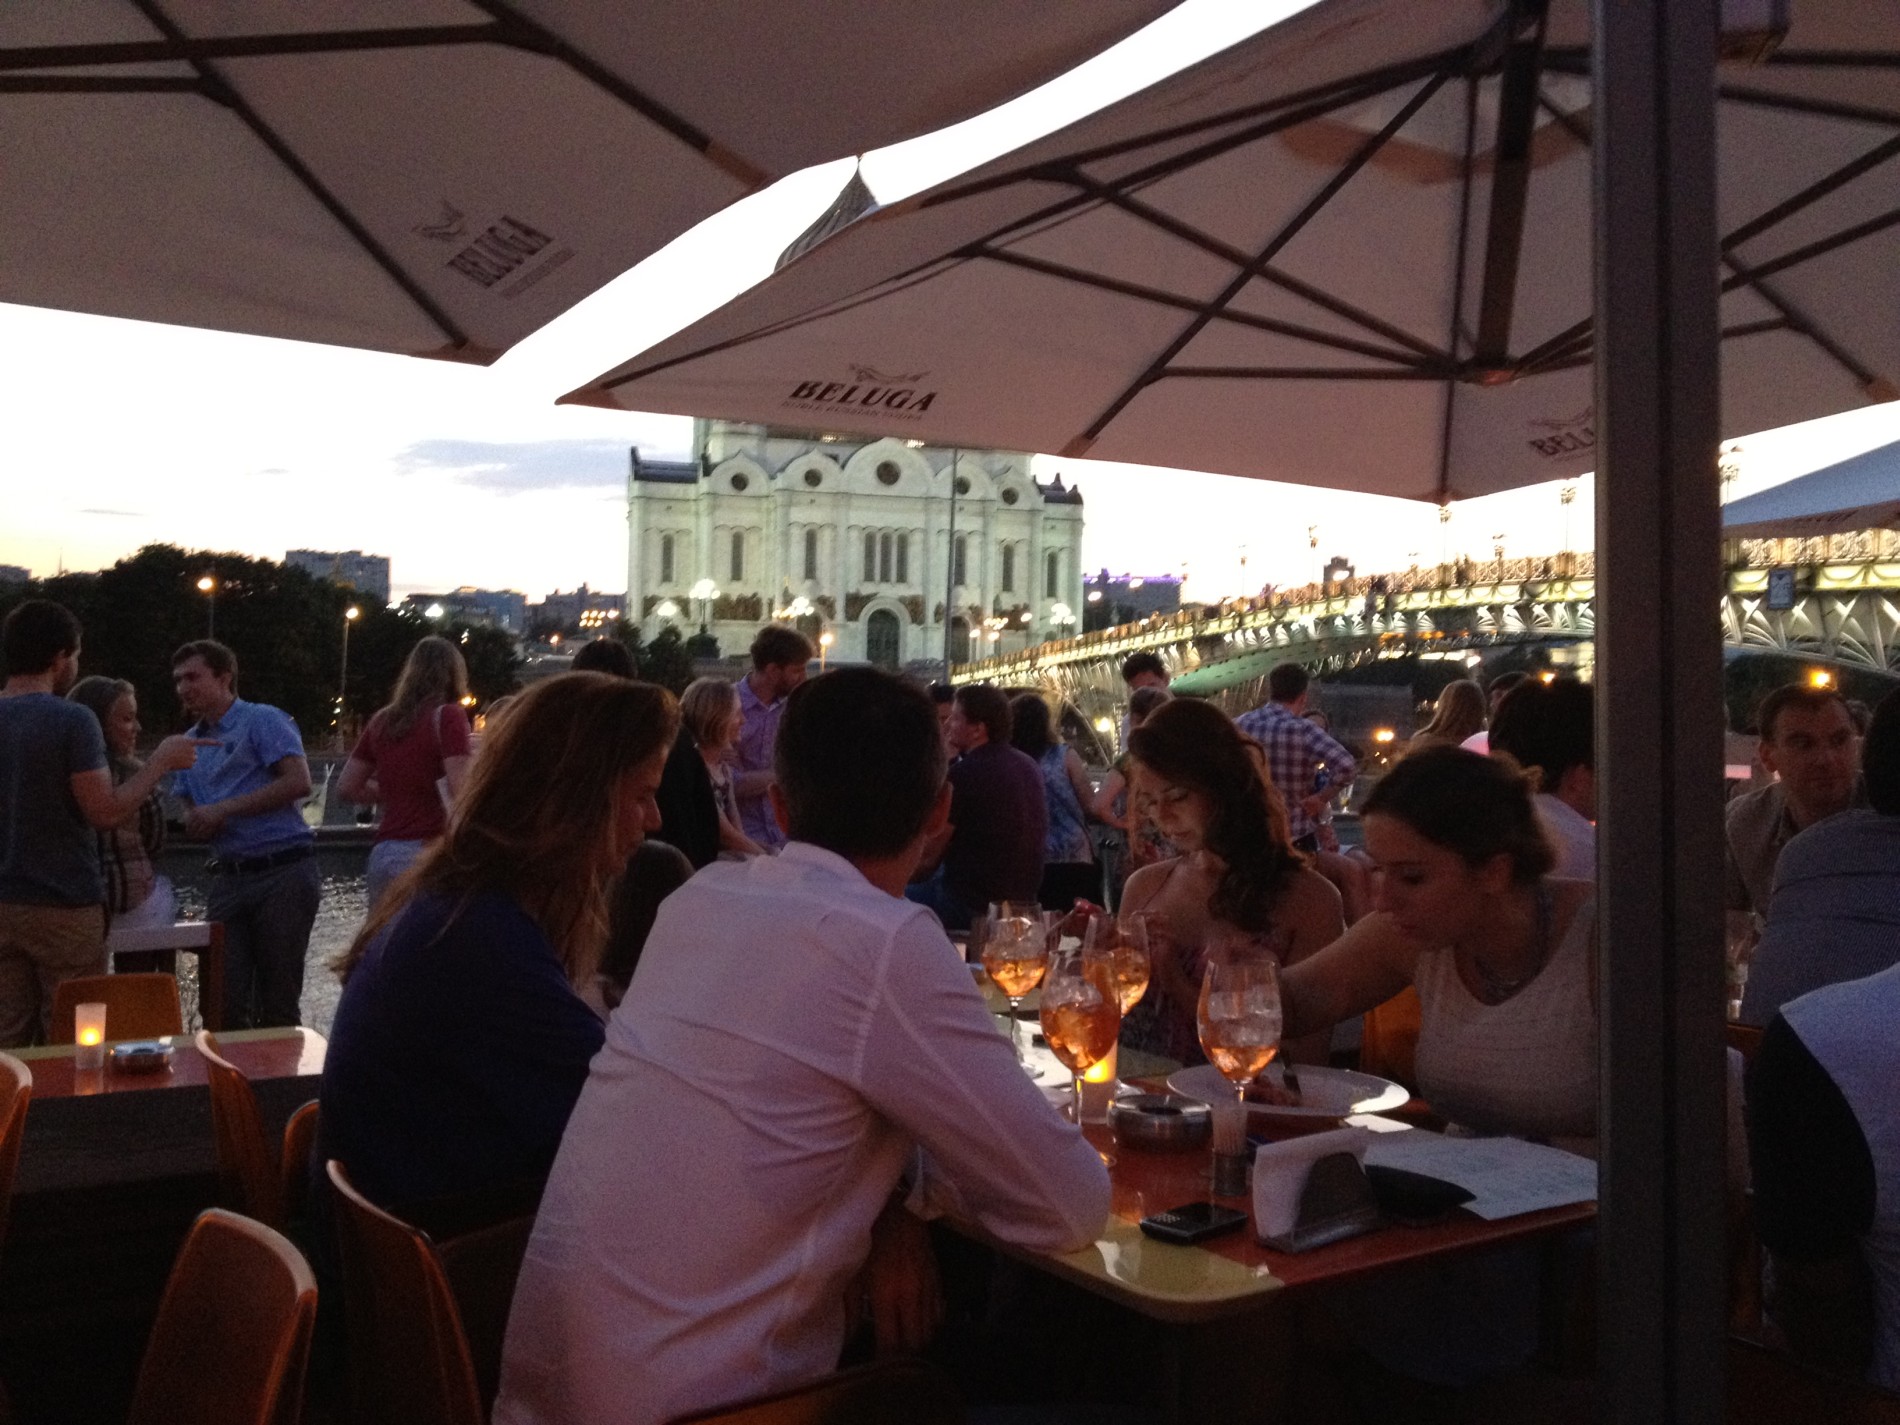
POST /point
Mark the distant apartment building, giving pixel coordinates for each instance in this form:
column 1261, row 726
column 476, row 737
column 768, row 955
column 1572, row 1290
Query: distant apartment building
column 365, row 573
column 14, row 574
column 1109, row 600
column 586, row 609
column 498, row 608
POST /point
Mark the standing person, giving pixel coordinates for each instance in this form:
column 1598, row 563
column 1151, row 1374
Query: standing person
column 1299, row 756
column 1550, row 729
column 799, row 1046
column 1069, row 871
column 1495, row 692
column 55, row 794
column 413, row 752
column 1141, row 669
column 1809, row 742
column 1458, row 713
column 1142, row 843
column 1236, row 870
column 136, row 895
column 243, row 796
column 992, row 851
column 605, row 655
column 698, row 811
column 779, row 656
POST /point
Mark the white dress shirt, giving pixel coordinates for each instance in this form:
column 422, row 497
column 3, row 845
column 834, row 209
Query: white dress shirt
column 1573, row 836
column 791, row 1034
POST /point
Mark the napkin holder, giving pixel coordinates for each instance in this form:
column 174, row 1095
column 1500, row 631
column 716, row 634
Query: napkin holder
column 1336, row 1202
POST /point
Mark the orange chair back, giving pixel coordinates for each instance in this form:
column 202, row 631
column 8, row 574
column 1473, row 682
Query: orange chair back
column 137, row 1006
column 16, row 1091
column 914, row 1392
column 232, row 1337
column 1390, row 1044
column 482, row 1266
column 409, row 1357
column 300, row 1138
column 249, row 1174
column 1745, row 1039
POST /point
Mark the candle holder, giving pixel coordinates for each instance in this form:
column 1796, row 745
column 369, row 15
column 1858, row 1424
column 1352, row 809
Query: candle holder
column 89, row 1036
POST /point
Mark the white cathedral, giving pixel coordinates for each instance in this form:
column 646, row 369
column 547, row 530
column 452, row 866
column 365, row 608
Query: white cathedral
column 855, row 538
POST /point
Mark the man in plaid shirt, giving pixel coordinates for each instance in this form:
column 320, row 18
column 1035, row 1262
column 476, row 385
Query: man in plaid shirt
column 1306, row 765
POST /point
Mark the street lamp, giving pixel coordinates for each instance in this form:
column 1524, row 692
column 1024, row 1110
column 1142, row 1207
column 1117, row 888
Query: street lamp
column 435, row 611
column 208, row 586
column 1567, row 497
column 350, row 615
column 825, row 640
column 1061, row 619
column 668, row 609
column 705, row 591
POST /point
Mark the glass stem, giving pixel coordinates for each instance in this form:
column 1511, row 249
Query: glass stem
column 1015, row 1038
column 1078, row 1098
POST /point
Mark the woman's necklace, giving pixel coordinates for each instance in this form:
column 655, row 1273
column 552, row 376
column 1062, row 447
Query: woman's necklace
column 1495, row 989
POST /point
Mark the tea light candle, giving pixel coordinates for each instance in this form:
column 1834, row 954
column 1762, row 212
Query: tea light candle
column 89, row 1034
column 1098, row 1087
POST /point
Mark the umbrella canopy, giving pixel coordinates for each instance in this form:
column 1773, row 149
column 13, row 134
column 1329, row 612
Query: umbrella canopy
column 441, row 177
column 1351, row 251
column 1859, row 493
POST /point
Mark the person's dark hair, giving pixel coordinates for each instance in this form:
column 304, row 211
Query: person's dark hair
column 859, row 761
column 1477, row 807
column 1880, row 756
column 1287, row 681
column 1495, row 690
column 1135, row 664
column 777, row 645
column 1031, row 729
column 536, row 819
column 1194, row 744
column 987, row 704
column 35, row 634
column 1547, row 728
column 219, row 659
column 654, row 872
column 942, row 694
column 1143, row 702
column 605, row 655
column 1794, row 695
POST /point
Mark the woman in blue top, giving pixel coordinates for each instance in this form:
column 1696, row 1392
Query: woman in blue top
column 461, row 1040
column 1068, row 856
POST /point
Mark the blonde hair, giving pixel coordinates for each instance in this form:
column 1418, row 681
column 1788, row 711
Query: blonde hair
column 705, row 706
column 1458, row 713
column 536, row 820
column 432, row 674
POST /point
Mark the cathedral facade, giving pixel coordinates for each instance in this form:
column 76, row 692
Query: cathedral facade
column 858, row 538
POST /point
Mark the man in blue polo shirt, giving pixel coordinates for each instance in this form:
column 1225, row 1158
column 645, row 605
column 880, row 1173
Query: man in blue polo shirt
column 244, row 793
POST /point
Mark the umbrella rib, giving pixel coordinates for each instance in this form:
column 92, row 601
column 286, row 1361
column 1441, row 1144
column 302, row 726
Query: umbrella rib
column 1135, row 208
column 1793, row 317
column 1510, row 182
column 1206, row 313
column 98, row 84
column 185, row 48
column 1163, row 298
column 1836, row 58
column 1299, row 373
column 1799, row 104
column 221, row 91
column 1820, row 247
column 1458, row 285
column 1813, row 193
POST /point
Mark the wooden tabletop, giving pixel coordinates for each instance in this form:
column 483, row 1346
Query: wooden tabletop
column 261, row 1053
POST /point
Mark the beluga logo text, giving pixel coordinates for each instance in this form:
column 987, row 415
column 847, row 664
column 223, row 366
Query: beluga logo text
column 1555, row 439
column 903, row 396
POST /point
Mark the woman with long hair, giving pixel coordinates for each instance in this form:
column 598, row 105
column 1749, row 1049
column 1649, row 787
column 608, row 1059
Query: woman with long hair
column 1236, row 871
column 412, row 758
column 1458, row 713
column 136, row 895
column 699, row 811
column 462, row 1040
column 1068, row 856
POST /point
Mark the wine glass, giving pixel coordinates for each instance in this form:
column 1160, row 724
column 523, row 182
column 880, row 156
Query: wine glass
column 1126, row 946
column 1240, row 1016
column 1015, row 955
column 1081, row 1011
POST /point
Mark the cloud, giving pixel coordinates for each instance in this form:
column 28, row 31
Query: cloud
column 117, row 514
column 510, row 467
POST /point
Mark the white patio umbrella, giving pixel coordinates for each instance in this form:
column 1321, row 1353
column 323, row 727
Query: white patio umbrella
column 1350, row 251
column 1861, row 492
column 441, row 177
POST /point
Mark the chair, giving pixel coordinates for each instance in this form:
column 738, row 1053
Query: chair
column 1390, row 1045
column 137, row 1006
column 266, row 1183
column 482, row 1267
column 16, row 1092
column 409, row 1359
column 1745, row 1039
column 232, row 1337
column 914, row 1392
column 1768, row 1387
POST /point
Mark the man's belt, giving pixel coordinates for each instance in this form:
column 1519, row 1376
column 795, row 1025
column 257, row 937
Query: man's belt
column 248, row 865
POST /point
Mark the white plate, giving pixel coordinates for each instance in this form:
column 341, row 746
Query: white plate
column 1327, row 1093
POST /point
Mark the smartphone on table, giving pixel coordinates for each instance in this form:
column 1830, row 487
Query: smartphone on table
column 1192, row 1222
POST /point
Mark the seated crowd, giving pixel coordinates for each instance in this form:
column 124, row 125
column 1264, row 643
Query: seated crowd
column 678, row 977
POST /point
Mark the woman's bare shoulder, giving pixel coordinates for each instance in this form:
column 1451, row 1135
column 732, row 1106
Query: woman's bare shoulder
column 1144, row 885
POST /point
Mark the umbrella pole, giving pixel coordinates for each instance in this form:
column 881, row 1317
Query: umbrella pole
column 1661, row 1277
column 950, row 566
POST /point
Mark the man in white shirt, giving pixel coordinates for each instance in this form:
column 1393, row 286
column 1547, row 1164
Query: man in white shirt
column 796, row 1032
column 1550, row 729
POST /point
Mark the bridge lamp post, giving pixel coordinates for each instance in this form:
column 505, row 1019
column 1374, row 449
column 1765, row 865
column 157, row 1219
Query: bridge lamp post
column 208, row 586
column 668, row 610
column 825, row 640
column 704, row 592
column 350, row 616
column 1567, row 497
column 1061, row 619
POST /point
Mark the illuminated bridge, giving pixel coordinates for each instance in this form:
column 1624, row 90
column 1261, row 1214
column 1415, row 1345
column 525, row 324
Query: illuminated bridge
column 1833, row 600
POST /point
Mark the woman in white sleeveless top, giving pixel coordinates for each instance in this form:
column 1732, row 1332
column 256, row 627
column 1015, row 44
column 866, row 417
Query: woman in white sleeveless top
column 1500, row 953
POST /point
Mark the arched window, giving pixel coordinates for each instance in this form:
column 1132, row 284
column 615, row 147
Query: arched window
column 738, row 555
column 884, row 559
column 1009, row 569
column 666, row 559
column 883, row 639
column 957, row 562
column 811, row 553
column 903, row 559
column 1052, row 575
column 870, row 557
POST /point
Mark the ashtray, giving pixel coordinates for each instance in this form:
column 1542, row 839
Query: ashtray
column 141, row 1056
column 1161, row 1122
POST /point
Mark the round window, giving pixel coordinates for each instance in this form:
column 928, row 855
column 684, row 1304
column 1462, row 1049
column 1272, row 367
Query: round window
column 887, row 472
column 1010, row 497
column 813, row 479
column 963, row 485
column 739, row 481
